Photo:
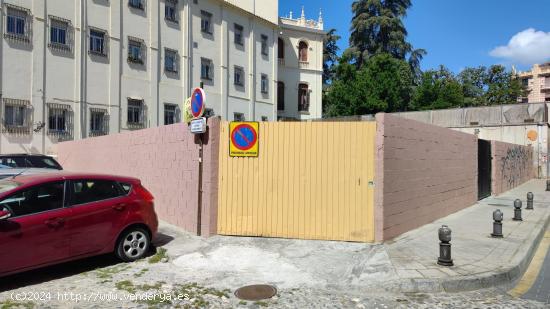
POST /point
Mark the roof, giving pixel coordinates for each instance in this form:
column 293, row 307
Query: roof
column 38, row 178
column 24, row 155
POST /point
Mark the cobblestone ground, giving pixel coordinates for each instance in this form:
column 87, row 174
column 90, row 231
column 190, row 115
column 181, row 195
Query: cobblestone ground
column 104, row 283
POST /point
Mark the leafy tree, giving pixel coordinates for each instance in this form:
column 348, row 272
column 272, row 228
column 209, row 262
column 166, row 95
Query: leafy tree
column 437, row 89
column 330, row 55
column 377, row 27
column 490, row 86
column 473, row 85
column 503, row 87
column 383, row 84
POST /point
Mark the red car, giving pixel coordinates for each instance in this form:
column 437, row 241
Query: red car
column 49, row 218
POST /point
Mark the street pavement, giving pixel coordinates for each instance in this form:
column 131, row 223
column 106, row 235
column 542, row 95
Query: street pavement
column 540, row 290
column 405, row 264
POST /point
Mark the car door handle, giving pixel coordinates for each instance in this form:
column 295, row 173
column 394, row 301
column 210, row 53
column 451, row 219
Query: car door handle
column 119, row 207
column 54, row 222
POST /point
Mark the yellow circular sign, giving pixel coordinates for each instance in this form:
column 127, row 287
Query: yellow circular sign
column 532, row 135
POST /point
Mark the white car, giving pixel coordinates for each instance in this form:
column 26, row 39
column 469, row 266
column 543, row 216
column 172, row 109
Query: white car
column 7, row 172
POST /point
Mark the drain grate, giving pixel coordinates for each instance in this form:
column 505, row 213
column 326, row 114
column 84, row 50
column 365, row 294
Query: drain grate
column 256, row 292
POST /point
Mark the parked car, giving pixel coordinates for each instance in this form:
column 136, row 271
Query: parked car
column 29, row 160
column 6, row 171
column 51, row 218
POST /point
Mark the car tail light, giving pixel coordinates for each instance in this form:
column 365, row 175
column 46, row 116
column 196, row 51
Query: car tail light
column 144, row 193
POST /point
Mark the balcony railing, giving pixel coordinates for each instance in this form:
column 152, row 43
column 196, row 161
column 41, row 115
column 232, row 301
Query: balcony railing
column 303, row 65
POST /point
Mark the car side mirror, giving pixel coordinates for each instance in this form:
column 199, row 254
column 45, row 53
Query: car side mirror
column 4, row 215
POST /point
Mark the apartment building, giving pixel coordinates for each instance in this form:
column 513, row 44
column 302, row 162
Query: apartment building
column 301, row 72
column 537, row 81
column 85, row 68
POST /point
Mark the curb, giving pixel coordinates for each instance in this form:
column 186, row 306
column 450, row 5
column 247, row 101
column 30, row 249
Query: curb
column 505, row 276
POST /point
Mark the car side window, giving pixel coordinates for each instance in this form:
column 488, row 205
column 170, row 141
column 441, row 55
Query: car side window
column 88, row 191
column 43, row 162
column 126, row 187
column 37, row 199
column 14, row 162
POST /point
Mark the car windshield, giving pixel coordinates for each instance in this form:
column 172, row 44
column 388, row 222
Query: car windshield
column 7, row 185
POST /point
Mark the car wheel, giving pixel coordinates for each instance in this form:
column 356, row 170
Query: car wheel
column 133, row 244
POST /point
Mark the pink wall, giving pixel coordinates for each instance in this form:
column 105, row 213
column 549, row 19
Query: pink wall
column 423, row 173
column 512, row 166
column 165, row 159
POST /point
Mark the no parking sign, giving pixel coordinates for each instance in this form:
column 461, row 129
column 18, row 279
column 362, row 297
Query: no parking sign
column 243, row 139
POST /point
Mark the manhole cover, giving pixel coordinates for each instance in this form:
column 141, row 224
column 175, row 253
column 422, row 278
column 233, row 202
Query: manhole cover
column 256, row 292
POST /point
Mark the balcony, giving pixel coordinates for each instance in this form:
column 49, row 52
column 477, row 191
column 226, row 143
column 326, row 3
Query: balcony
column 303, row 65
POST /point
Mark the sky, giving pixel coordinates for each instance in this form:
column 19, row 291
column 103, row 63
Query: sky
column 456, row 33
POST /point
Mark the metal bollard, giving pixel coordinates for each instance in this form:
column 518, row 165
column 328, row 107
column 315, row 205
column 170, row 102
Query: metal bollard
column 517, row 210
column 530, row 198
column 445, row 247
column 497, row 224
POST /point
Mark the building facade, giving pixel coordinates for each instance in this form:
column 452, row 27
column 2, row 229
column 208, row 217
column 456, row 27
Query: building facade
column 537, row 81
column 84, row 68
column 300, row 68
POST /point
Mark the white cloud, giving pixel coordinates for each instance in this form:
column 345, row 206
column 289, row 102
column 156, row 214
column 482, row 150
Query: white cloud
column 527, row 47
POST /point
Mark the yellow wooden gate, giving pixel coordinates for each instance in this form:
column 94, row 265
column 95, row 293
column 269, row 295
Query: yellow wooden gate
column 312, row 180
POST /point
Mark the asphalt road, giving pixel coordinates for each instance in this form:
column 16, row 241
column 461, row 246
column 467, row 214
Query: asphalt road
column 540, row 291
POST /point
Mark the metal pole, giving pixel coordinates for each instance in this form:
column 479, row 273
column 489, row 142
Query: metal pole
column 199, row 193
column 199, row 199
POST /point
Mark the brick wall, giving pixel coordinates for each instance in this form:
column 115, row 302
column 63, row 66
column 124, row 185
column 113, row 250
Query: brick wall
column 423, row 173
column 165, row 159
column 512, row 166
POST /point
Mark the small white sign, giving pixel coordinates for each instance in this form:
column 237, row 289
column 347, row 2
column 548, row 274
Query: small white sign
column 198, row 126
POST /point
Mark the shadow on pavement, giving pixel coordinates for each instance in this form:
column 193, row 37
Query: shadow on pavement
column 54, row 272
column 72, row 268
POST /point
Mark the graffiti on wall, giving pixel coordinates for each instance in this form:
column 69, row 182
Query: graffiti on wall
column 516, row 166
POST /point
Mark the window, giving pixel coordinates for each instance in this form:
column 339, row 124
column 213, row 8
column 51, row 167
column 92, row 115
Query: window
column 264, row 118
column 547, row 99
column 18, row 23
column 239, row 34
column 137, row 4
column 98, row 122
column 135, row 112
column 525, row 82
column 97, row 42
column 58, row 118
column 264, row 84
column 170, row 114
column 170, row 9
column 265, row 49
column 280, row 48
column 238, row 117
column 37, row 199
column 206, row 22
column 135, row 50
column 206, row 69
column 59, row 33
column 238, row 77
column 171, row 63
column 126, row 187
column 303, row 98
column 302, row 51
column 280, row 96
column 89, row 191
column 16, row 116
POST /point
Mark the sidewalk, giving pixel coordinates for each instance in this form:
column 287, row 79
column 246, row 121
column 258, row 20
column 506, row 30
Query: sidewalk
column 406, row 264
